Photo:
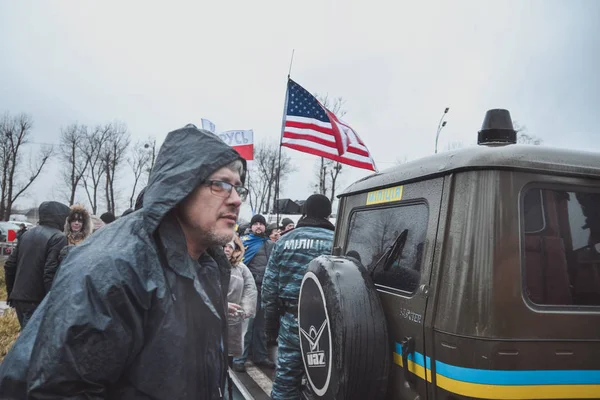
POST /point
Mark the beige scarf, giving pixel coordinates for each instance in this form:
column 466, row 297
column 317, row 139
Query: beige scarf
column 75, row 237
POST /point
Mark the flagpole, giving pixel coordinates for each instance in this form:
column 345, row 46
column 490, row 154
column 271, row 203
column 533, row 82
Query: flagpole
column 277, row 183
column 291, row 62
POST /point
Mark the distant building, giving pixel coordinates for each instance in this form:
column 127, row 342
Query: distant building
column 30, row 215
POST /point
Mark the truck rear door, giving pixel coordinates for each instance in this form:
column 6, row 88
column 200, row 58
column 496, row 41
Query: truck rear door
column 374, row 221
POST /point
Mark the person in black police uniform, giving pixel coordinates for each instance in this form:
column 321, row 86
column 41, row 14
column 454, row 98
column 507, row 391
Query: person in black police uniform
column 312, row 237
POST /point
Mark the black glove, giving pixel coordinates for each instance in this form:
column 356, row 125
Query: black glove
column 271, row 330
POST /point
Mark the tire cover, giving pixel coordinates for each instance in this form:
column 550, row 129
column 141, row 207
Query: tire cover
column 343, row 332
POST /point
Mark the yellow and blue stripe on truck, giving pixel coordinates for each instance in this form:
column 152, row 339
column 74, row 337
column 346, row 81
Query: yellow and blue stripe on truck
column 505, row 384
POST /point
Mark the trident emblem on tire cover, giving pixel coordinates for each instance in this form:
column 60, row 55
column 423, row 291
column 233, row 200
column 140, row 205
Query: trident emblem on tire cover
column 313, row 336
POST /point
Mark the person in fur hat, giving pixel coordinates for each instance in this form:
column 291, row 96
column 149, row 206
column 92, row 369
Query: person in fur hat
column 78, row 225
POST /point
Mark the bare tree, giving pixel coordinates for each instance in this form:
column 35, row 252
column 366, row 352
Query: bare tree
column 94, row 149
column 335, row 105
column 112, row 158
column 334, row 172
column 150, row 147
column 330, row 170
column 263, row 176
column 525, row 138
column 6, row 161
column 14, row 134
column 265, row 160
column 36, row 165
column 139, row 160
column 73, row 142
column 255, row 187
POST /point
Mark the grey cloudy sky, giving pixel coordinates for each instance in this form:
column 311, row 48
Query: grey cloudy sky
column 397, row 64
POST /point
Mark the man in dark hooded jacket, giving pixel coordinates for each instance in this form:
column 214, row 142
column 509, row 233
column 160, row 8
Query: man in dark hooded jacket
column 30, row 269
column 138, row 311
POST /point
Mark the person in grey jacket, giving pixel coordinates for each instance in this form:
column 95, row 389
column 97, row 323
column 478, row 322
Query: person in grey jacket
column 241, row 296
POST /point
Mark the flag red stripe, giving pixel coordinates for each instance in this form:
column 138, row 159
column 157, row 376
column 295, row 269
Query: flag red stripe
column 326, row 149
column 341, row 139
column 309, row 138
column 302, row 125
column 360, row 152
column 246, row 151
column 330, row 156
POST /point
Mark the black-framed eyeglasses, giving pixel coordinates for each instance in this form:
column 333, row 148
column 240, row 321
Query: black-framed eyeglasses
column 223, row 189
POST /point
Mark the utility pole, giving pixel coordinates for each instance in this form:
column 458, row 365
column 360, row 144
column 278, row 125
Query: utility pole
column 322, row 176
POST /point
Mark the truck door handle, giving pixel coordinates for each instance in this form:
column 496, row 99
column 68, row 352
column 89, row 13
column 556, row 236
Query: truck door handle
column 408, row 347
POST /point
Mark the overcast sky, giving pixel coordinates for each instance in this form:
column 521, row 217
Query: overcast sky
column 397, row 64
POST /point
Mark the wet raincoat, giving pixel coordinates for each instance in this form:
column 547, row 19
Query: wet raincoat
column 131, row 315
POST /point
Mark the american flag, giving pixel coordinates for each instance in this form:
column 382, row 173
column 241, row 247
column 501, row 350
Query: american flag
column 312, row 128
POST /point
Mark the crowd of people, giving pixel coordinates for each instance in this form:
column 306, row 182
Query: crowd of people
column 159, row 302
column 264, row 290
column 32, row 265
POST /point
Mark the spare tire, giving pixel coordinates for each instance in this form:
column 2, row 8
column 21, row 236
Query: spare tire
column 343, row 333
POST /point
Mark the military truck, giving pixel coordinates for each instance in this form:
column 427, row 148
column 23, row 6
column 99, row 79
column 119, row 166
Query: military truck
column 469, row 274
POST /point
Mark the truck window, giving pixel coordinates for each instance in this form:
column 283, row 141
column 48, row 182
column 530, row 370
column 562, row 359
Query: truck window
column 561, row 243
column 373, row 231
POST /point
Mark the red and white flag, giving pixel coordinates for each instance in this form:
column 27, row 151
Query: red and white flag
column 242, row 141
column 312, row 128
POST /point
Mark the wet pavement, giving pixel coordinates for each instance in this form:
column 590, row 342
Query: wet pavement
column 255, row 383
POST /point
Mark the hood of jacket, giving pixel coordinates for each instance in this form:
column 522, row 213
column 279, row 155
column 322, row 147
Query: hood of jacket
column 187, row 157
column 53, row 214
column 87, row 226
